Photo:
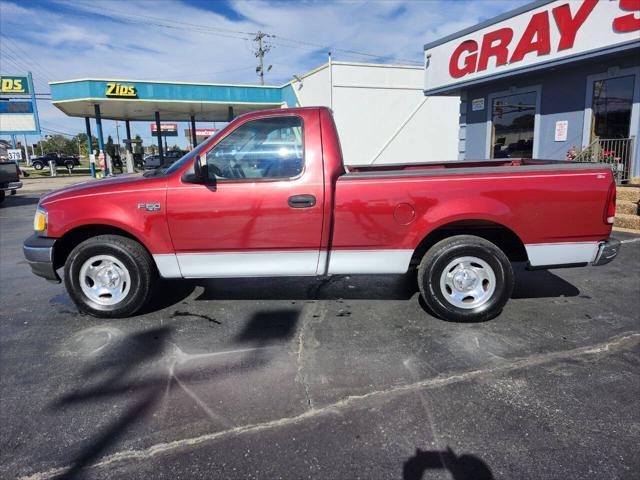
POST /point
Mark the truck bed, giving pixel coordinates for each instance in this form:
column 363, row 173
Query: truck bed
column 467, row 167
column 540, row 201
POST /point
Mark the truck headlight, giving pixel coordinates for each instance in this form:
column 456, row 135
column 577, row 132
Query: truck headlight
column 40, row 221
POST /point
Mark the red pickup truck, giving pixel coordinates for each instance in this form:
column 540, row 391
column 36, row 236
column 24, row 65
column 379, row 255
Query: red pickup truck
column 269, row 196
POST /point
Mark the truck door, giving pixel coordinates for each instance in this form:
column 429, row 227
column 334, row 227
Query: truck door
column 264, row 215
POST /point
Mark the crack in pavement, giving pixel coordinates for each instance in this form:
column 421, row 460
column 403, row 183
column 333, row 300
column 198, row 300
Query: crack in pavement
column 318, row 313
column 626, row 341
column 300, row 375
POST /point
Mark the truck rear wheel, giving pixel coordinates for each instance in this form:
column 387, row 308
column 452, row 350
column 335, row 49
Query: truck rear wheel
column 465, row 279
column 109, row 276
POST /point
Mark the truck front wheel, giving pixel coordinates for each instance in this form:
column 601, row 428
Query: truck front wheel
column 109, row 276
column 465, row 279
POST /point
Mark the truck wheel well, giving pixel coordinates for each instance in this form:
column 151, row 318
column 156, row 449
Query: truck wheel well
column 65, row 244
column 501, row 236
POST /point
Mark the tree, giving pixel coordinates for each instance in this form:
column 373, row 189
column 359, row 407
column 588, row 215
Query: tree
column 58, row 144
column 137, row 147
column 82, row 138
column 110, row 148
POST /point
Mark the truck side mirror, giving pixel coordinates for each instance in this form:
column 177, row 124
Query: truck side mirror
column 200, row 170
column 200, row 173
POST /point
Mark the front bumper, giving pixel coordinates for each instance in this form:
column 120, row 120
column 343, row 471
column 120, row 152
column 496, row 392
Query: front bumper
column 607, row 251
column 11, row 186
column 38, row 251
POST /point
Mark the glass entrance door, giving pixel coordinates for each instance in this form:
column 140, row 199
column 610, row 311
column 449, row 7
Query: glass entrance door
column 513, row 122
column 612, row 102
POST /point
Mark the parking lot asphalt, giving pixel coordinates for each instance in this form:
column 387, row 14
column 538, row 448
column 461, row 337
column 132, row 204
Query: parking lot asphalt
column 343, row 378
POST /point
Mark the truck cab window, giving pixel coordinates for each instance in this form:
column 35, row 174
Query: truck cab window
column 267, row 148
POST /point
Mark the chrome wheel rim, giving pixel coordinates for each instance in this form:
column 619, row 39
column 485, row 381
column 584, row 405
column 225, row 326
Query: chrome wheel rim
column 105, row 280
column 467, row 282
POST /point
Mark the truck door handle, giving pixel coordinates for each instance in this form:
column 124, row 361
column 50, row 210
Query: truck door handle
column 302, row 201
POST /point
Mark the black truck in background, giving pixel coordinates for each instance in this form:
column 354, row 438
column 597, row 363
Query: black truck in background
column 9, row 179
column 69, row 162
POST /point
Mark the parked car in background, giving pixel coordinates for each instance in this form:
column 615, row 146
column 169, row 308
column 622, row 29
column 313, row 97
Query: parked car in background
column 138, row 161
column 67, row 161
column 270, row 196
column 9, row 179
column 153, row 161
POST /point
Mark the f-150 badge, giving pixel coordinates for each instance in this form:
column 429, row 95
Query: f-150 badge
column 149, row 207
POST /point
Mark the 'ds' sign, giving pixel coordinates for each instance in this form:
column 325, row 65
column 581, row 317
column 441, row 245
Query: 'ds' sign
column 13, row 84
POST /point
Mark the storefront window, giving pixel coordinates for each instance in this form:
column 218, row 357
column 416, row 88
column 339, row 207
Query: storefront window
column 513, row 119
column 612, row 102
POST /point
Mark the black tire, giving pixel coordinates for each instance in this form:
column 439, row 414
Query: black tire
column 2, row 196
column 37, row 165
column 131, row 254
column 69, row 166
column 449, row 251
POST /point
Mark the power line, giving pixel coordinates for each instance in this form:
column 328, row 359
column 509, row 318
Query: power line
column 315, row 46
column 21, row 65
column 211, row 73
column 293, row 43
column 39, row 66
column 57, row 131
column 134, row 20
column 177, row 22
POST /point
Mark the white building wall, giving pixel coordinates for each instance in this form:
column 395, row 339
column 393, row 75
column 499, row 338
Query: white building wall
column 381, row 113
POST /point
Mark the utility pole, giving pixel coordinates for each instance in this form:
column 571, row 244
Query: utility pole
column 263, row 48
column 27, row 158
column 118, row 136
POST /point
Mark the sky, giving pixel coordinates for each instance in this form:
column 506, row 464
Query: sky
column 211, row 41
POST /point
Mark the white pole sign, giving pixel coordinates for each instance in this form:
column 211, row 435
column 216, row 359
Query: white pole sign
column 14, row 155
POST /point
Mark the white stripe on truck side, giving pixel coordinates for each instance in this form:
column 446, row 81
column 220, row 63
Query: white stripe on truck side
column 167, row 264
column 312, row 262
column 541, row 254
column 249, row 264
column 281, row 263
column 369, row 261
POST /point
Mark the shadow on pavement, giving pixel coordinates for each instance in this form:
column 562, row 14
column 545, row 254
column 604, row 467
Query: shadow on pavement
column 528, row 284
column 463, row 467
column 19, row 200
column 142, row 365
column 540, row 284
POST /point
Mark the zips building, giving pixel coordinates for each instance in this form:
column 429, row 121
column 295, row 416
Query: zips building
column 380, row 111
column 553, row 79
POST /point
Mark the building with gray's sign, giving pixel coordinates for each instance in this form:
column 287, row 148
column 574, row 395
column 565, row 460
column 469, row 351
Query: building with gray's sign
column 554, row 79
